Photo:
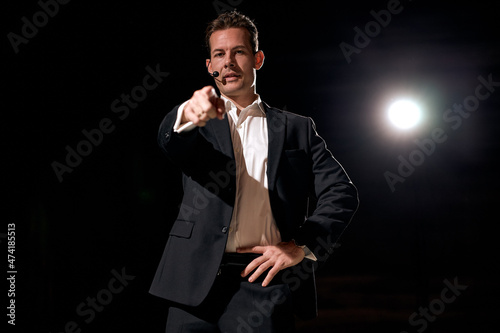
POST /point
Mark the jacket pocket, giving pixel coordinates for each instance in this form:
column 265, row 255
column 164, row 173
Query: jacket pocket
column 182, row 229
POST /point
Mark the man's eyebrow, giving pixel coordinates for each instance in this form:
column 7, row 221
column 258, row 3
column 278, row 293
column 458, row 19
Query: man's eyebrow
column 234, row 48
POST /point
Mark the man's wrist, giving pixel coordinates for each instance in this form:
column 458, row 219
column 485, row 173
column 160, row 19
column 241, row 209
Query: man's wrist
column 308, row 254
column 180, row 125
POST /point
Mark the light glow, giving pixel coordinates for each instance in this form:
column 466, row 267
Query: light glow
column 404, row 114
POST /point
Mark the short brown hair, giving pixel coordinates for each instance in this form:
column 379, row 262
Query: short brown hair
column 233, row 19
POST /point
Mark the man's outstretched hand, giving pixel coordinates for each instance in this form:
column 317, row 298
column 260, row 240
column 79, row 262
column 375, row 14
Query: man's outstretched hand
column 203, row 106
column 276, row 257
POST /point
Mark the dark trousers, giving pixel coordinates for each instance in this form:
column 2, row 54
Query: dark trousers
column 235, row 305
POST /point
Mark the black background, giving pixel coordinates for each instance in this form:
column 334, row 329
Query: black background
column 112, row 212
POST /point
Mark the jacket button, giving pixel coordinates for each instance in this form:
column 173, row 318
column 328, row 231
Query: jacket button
column 224, row 230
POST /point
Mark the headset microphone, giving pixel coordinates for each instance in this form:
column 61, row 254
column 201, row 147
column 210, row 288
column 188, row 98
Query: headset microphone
column 216, row 74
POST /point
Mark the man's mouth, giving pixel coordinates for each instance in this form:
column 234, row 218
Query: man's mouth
column 231, row 77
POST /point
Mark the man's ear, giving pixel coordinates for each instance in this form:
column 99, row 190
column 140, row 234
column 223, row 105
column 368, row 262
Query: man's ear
column 259, row 60
column 209, row 65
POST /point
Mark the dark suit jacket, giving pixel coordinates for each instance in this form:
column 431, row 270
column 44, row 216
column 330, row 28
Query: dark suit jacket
column 311, row 196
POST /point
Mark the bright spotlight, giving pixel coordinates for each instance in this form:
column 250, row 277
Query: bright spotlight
column 404, row 114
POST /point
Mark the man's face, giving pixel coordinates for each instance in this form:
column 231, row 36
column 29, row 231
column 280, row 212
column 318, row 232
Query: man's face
column 232, row 56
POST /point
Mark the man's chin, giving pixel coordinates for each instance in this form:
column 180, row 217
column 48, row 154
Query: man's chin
column 231, row 93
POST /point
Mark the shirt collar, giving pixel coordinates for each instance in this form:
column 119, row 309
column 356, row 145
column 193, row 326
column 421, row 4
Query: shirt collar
column 230, row 107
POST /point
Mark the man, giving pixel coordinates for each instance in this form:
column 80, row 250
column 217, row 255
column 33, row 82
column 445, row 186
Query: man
column 264, row 201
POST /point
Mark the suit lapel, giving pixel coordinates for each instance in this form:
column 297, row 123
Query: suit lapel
column 276, row 125
column 222, row 134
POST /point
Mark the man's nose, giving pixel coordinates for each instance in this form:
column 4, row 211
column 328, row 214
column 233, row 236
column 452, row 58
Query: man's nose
column 229, row 61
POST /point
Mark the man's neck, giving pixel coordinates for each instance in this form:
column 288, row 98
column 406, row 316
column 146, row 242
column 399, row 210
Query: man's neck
column 242, row 102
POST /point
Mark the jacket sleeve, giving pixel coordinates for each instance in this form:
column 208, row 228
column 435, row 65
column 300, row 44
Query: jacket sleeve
column 187, row 149
column 175, row 145
column 335, row 197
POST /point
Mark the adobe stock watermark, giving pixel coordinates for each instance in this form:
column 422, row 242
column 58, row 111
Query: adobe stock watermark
column 89, row 308
column 30, row 28
column 427, row 146
column 371, row 29
column 221, row 6
column 120, row 106
column 265, row 308
column 420, row 320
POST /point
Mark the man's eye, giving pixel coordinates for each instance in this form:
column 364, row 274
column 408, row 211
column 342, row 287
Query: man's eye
column 218, row 55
